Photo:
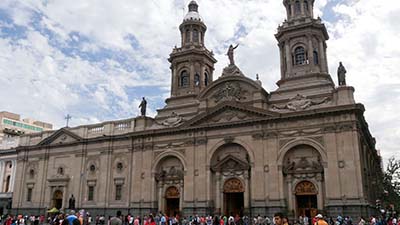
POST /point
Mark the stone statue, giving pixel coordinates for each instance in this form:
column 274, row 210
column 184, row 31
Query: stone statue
column 341, row 74
column 143, row 106
column 72, row 202
column 230, row 54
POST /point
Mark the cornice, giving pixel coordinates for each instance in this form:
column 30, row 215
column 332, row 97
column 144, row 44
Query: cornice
column 356, row 108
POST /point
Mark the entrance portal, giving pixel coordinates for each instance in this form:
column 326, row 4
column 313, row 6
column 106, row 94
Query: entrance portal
column 172, row 201
column 306, row 199
column 233, row 197
column 58, row 199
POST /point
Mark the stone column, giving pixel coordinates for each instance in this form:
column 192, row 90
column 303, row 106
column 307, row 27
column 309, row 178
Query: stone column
column 320, row 194
column 323, row 61
column 290, row 193
column 310, row 52
column 208, row 184
column 246, row 192
column 288, row 60
column 14, row 169
column 291, row 10
column 65, row 197
column 160, row 197
column 2, row 171
column 218, row 193
column 181, row 190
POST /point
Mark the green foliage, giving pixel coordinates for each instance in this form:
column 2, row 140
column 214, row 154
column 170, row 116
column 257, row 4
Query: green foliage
column 391, row 184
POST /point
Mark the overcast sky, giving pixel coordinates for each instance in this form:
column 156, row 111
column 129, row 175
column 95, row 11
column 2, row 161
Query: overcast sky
column 94, row 59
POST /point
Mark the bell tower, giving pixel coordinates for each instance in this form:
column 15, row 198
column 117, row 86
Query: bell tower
column 302, row 45
column 192, row 64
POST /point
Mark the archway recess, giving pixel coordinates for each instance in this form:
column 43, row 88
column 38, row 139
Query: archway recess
column 169, row 179
column 233, row 197
column 57, row 199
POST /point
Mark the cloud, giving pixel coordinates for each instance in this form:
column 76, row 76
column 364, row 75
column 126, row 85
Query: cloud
column 96, row 59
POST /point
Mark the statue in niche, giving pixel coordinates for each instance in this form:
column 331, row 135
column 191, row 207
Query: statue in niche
column 143, row 106
column 341, row 74
column 230, row 54
column 71, row 202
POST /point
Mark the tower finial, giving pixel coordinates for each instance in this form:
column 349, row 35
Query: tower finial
column 193, row 6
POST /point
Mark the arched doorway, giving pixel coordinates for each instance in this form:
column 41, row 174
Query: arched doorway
column 303, row 171
column 230, row 179
column 172, row 197
column 306, row 199
column 233, row 197
column 58, row 199
column 169, row 180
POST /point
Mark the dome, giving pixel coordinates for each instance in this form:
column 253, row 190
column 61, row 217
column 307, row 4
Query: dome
column 193, row 13
column 192, row 16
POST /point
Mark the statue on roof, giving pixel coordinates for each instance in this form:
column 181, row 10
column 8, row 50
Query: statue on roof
column 143, row 106
column 341, row 74
column 230, row 54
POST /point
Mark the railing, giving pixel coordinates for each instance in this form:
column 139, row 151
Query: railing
column 96, row 130
column 122, row 126
column 88, row 131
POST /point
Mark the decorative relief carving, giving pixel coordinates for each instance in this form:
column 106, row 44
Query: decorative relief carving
column 305, row 188
column 173, row 120
column 229, row 139
column 32, row 169
column 201, row 141
column 258, row 136
column 345, row 127
column 271, row 134
column 303, row 167
column 172, row 174
column 299, row 103
column 231, row 92
column 172, row 192
column 266, row 168
column 233, row 186
column 230, row 115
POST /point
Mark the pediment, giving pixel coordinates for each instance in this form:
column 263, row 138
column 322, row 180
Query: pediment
column 62, row 136
column 236, row 88
column 230, row 163
column 229, row 112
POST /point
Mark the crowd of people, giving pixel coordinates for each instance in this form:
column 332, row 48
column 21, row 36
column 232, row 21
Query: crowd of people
column 78, row 218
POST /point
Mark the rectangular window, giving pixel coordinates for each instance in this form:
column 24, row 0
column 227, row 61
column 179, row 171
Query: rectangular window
column 118, row 192
column 91, row 193
column 29, row 195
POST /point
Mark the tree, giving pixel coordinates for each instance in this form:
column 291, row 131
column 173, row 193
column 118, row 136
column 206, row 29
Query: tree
column 391, row 184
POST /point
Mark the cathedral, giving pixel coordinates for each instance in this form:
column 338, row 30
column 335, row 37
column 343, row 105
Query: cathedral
column 219, row 146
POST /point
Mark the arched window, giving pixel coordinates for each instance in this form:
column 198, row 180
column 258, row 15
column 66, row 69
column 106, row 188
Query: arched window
column 297, row 7
column 195, row 36
column 300, row 56
column 306, row 6
column 316, row 59
column 197, row 79
column 184, row 79
column 187, row 36
column 205, row 79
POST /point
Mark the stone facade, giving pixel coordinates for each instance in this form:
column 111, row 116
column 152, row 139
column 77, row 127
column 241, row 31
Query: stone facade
column 224, row 146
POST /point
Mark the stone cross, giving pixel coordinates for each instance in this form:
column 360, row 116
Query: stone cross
column 68, row 118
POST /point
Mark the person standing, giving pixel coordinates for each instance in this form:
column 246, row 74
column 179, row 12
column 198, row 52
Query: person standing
column 117, row 219
column 320, row 220
column 278, row 219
